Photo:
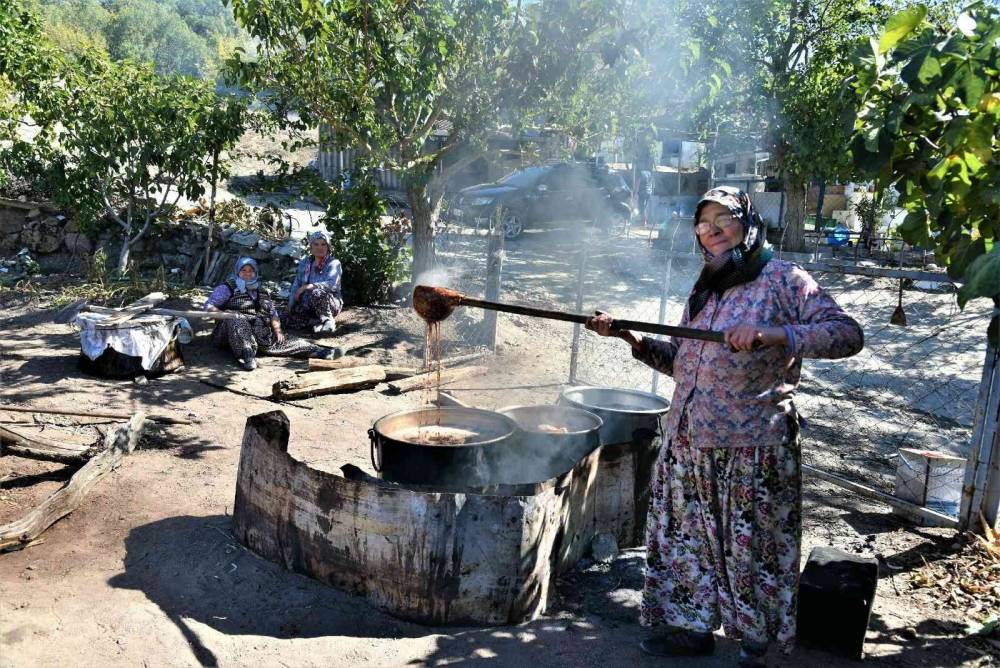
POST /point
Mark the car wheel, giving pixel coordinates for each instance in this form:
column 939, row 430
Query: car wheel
column 511, row 225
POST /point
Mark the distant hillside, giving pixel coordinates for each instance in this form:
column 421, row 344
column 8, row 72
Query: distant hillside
column 189, row 37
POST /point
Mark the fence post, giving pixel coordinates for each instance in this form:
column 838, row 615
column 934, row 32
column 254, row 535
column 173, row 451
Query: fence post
column 494, row 268
column 781, row 213
column 663, row 295
column 981, row 488
column 574, row 354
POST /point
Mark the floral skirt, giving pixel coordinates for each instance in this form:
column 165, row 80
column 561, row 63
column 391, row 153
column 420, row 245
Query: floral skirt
column 254, row 334
column 723, row 540
column 312, row 308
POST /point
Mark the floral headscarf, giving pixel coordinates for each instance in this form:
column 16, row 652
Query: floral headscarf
column 316, row 236
column 742, row 263
column 739, row 204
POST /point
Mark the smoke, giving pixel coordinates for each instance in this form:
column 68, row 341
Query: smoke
column 437, row 277
column 538, row 455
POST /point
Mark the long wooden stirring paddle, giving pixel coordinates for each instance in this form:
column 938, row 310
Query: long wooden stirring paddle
column 434, row 304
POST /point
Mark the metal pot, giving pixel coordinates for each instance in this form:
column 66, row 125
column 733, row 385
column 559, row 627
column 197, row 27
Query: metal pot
column 399, row 456
column 624, row 412
column 540, row 454
column 630, row 443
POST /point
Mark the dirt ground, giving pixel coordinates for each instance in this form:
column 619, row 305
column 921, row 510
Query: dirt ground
column 147, row 572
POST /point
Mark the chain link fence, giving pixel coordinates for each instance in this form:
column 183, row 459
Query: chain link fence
column 634, row 279
column 914, row 386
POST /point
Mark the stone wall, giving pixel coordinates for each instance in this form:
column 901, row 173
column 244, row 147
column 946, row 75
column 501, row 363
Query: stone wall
column 54, row 243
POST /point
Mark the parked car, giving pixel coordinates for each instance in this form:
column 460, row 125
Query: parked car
column 563, row 191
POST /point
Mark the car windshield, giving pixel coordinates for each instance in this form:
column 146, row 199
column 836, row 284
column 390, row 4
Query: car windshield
column 523, row 177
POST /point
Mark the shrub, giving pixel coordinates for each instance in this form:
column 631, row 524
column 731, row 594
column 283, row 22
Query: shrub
column 373, row 255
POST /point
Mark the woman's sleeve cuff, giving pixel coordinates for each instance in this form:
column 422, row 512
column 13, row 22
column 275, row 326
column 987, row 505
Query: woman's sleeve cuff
column 789, row 340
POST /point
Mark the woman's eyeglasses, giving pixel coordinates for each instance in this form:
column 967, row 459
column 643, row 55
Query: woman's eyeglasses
column 723, row 222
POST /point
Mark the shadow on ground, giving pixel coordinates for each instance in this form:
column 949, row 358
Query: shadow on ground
column 193, row 569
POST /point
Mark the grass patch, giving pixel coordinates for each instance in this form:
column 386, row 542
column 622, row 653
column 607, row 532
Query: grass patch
column 18, row 293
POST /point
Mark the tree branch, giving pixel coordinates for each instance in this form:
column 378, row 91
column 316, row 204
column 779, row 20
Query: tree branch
column 155, row 212
column 111, row 209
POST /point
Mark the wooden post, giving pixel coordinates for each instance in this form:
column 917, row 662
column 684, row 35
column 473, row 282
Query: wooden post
column 36, row 447
column 981, row 488
column 574, row 355
column 494, row 267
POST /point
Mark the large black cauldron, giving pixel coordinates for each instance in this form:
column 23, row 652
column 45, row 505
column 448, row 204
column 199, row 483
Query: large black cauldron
column 398, row 454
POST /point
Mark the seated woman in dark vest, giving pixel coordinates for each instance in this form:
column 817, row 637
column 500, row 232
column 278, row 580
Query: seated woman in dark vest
column 259, row 331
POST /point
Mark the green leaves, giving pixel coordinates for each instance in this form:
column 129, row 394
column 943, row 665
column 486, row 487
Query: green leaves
column 899, row 26
column 132, row 142
column 982, row 278
column 374, row 255
column 936, row 98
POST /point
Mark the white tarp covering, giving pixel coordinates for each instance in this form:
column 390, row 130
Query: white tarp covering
column 144, row 336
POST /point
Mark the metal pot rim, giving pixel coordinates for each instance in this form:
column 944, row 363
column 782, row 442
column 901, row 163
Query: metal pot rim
column 600, row 421
column 512, row 427
column 624, row 411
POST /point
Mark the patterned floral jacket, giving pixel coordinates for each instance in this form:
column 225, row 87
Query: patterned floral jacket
column 328, row 278
column 739, row 399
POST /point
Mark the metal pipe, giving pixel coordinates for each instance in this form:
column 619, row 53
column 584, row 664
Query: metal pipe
column 911, row 509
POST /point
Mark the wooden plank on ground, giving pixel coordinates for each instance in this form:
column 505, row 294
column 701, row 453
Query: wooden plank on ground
column 462, row 359
column 392, row 372
column 346, row 362
column 921, row 513
column 327, row 382
column 445, row 400
column 119, row 442
column 430, row 379
column 37, row 447
column 165, row 419
column 385, row 360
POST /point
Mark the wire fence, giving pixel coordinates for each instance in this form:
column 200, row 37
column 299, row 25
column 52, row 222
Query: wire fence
column 636, row 280
column 914, row 386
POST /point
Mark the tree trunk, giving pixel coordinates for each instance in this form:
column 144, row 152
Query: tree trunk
column 819, row 203
column 794, row 238
column 211, row 215
column 423, row 229
column 123, row 256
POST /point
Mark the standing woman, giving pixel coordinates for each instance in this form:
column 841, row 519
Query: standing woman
column 724, row 526
column 315, row 298
column 259, row 331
